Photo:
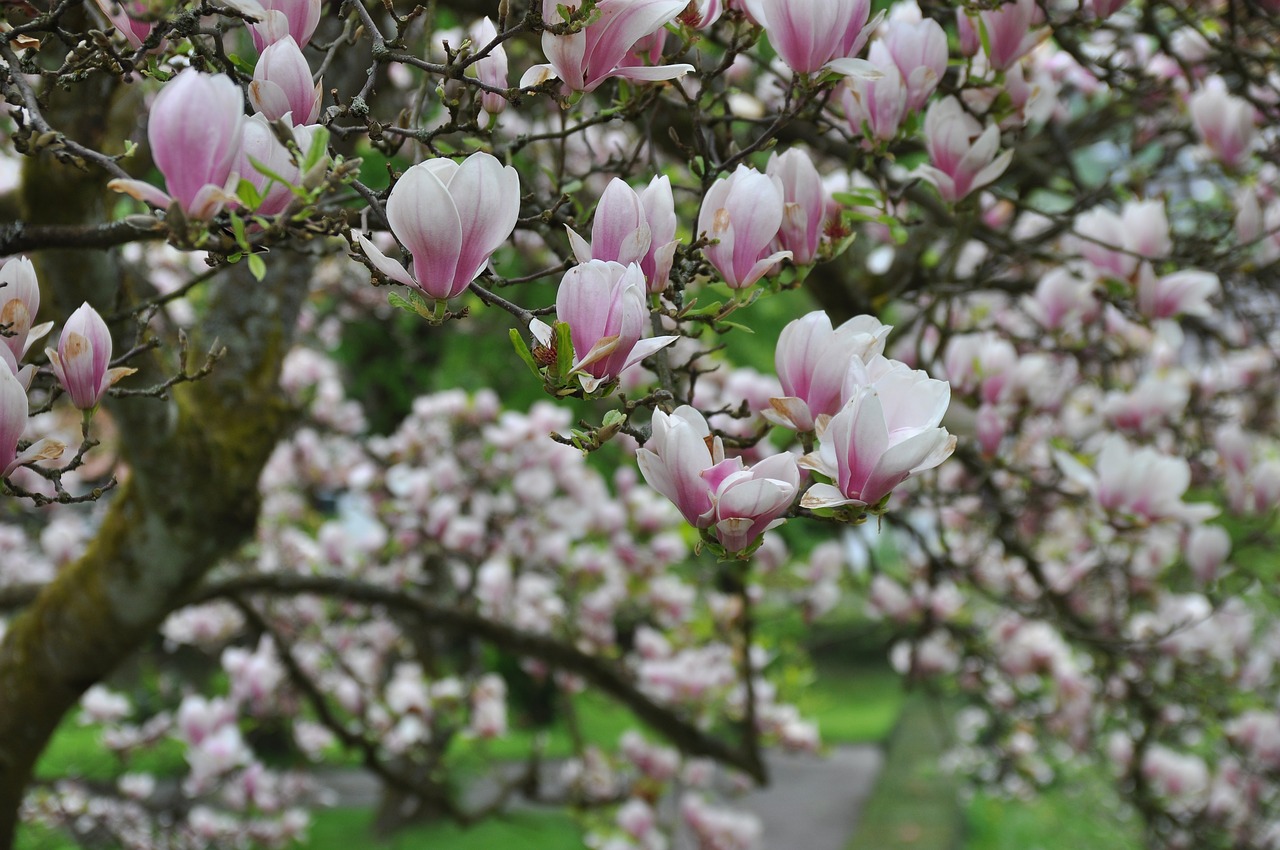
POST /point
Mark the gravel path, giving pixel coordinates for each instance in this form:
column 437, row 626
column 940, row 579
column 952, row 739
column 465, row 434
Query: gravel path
column 811, row 803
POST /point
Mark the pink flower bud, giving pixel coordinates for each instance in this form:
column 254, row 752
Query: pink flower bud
column 619, row 232
column 962, row 152
column 13, row 421
column 804, row 204
column 1009, row 35
column 812, row 361
column 808, row 34
column 283, row 18
column 451, row 217
column 1207, row 550
column 19, row 303
column 748, row 501
column 672, row 462
column 919, row 51
column 742, row 213
column 603, row 305
column 660, row 214
column 194, row 131
column 1224, row 122
column 967, row 33
column 886, row 432
column 261, row 145
column 83, row 359
column 282, row 84
column 876, row 107
column 604, row 48
column 492, row 69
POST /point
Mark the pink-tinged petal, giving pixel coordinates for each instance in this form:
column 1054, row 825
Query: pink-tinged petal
column 194, row 131
column 142, row 191
column 13, row 417
column 716, row 475
column 600, row 349
column 389, row 267
column 621, row 24
column 538, row 74
column 755, row 207
column 898, row 462
column 487, row 196
column 781, row 468
column 211, row 200
column 859, row 69
column 646, row 348
column 567, row 55
column 762, row 268
column 653, row 73
column 859, row 437
column 423, row 217
column 789, row 412
column 619, row 231
column 992, row 171
column 945, row 185
column 821, row 496
column 296, row 18
column 580, row 247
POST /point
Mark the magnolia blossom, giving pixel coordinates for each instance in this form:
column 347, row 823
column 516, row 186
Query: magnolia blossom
column 875, row 107
column 284, row 18
column 918, row 49
column 282, row 84
column 603, row 305
column 886, row 432
column 1184, row 292
column 19, row 304
column 1137, row 482
column 451, row 217
column 804, row 204
column 492, row 69
column 604, row 47
column 83, row 359
column 1009, row 34
column 194, row 131
column 808, row 34
column 813, row 361
column 701, row 14
column 1225, row 122
column 13, row 421
column 631, row 227
column 261, row 146
column 962, row 152
column 126, row 16
column 685, row 463
column 1114, row 244
column 743, row 214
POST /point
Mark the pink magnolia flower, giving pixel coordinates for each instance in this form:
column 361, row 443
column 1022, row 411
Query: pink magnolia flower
column 967, row 33
column 701, row 14
column 919, row 51
column 1225, row 122
column 748, row 501
column 743, row 213
column 604, row 48
column 603, row 305
column 282, row 84
column 633, row 227
column 813, row 360
column 683, row 462
column 886, row 432
column 13, row 421
column 1137, row 482
column 126, row 17
column 804, row 204
column 1114, row 244
column 1184, row 292
column 492, row 69
column 194, row 131
column 808, row 34
column 19, row 303
column 875, row 107
column 451, row 217
column 261, row 145
column 962, row 152
column 286, row 18
column 83, row 359
column 1009, row 34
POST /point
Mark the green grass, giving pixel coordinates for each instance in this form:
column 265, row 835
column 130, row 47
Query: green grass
column 915, row 804
column 1082, row 812
column 853, row 704
column 77, row 750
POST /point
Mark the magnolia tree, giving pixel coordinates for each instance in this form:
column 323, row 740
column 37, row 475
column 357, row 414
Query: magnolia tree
column 1032, row 427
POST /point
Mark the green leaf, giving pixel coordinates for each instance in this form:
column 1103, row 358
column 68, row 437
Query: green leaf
column 735, row 325
column 248, row 194
column 613, row 419
column 564, row 349
column 318, row 150
column 237, row 227
column 262, row 169
column 856, row 199
column 257, row 267
column 522, row 349
column 395, row 300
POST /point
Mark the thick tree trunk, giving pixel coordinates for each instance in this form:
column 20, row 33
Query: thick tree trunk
column 191, row 495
